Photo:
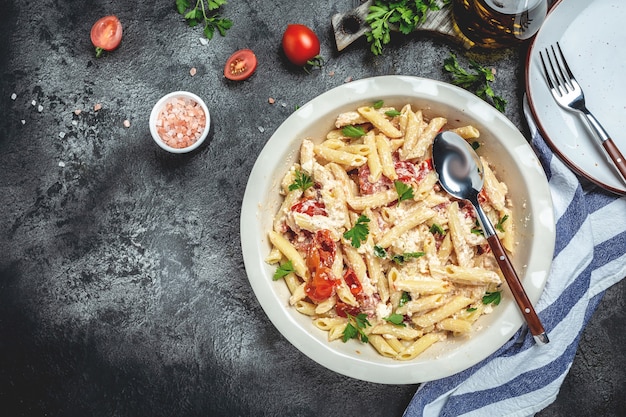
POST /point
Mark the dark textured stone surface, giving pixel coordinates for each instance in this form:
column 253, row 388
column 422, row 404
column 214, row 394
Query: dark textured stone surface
column 122, row 286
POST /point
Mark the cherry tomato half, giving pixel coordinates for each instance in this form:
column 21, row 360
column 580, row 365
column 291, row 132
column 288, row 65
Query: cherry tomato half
column 301, row 45
column 106, row 34
column 240, row 65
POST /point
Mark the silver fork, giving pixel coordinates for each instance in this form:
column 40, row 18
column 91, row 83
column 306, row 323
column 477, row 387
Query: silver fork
column 569, row 95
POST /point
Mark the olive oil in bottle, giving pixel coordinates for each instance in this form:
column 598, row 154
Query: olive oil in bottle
column 497, row 23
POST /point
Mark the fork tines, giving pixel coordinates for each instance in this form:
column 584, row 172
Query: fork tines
column 557, row 79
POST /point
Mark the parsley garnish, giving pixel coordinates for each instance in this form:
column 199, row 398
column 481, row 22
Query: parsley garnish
column 477, row 230
column 283, row 270
column 437, row 229
column 501, row 222
column 355, row 331
column 380, row 252
column 404, row 14
column 392, row 113
column 397, row 319
column 378, row 104
column 353, row 131
column 404, row 191
column 471, row 309
column 359, row 232
column 400, row 259
column 404, row 298
column 301, row 181
column 207, row 13
column 479, row 82
column 492, row 298
column 475, row 145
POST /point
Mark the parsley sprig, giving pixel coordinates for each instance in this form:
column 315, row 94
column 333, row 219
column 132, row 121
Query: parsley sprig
column 301, row 181
column 355, row 328
column 359, row 232
column 479, row 81
column 352, row 131
column 492, row 298
column 397, row 319
column 207, row 12
column 405, row 192
column 283, row 270
column 399, row 259
column 403, row 14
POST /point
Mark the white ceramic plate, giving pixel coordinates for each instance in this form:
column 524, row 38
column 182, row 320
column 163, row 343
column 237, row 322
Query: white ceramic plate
column 503, row 145
column 592, row 35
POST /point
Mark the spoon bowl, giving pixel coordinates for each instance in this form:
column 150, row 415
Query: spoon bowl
column 460, row 173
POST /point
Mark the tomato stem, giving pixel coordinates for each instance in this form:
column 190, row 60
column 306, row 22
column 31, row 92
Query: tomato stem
column 99, row 51
column 317, row 61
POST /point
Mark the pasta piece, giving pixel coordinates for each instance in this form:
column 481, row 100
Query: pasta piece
column 380, row 121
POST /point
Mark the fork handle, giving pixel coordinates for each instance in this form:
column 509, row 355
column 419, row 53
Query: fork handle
column 607, row 143
column 616, row 156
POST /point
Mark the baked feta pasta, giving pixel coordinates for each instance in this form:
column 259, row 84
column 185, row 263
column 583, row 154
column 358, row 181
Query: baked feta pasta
column 370, row 246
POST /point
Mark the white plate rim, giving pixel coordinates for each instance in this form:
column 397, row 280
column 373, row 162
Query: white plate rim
column 555, row 123
column 351, row 361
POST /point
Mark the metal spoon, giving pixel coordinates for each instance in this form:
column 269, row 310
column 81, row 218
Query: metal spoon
column 461, row 175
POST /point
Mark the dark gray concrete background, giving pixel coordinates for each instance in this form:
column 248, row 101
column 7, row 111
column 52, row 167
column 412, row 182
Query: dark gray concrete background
column 122, row 286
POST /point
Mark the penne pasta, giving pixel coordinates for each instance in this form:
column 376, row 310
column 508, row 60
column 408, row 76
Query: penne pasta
column 370, row 247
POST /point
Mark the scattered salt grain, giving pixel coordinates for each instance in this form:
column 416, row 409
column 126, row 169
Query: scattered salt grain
column 13, row 96
column 271, row 100
column 74, row 122
column 347, row 80
column 283, row 104
column 192, row 71
column 204, row 41
column 61, row 135
column 23, row 121
column 127, row 123
column 61, row 164
column 261, row 129
column 34, row 103
column 97, row 107
column 40, row 108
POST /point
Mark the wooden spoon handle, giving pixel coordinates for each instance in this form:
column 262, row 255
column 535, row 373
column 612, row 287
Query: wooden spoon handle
column 524, row 303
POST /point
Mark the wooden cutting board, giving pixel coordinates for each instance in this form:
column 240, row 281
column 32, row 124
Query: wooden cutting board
column 351, row 25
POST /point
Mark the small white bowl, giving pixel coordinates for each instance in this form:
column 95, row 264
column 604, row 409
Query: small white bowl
column 156, row 110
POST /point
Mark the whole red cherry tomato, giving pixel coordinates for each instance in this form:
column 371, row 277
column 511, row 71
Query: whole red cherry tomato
column 302, row 46
column 106, row 34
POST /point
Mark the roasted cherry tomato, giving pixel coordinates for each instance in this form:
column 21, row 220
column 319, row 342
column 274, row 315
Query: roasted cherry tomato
column 344, row 309
column 352, row 281
column 321, row 285
column 302, row 46
column 106, row 34
column 310, row 207
column 321, row 251
column 240, row 65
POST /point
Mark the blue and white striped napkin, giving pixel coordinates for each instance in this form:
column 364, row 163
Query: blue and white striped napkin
column 522, row 378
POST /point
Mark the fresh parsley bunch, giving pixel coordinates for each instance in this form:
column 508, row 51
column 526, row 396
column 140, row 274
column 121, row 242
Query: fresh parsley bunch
column 403, row 14
column 479, row 81
column 206, row 11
